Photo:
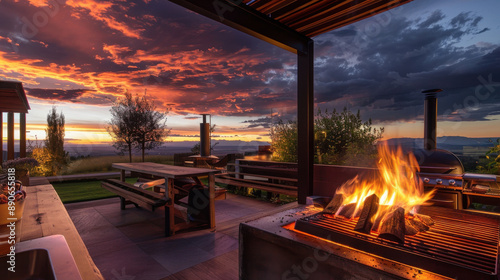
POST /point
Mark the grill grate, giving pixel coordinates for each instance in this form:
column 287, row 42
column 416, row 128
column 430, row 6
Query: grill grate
column 459, row 245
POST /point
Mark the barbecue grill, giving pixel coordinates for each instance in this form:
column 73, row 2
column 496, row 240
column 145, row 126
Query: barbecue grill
column 442, row 170
column 458, row 245
column 308, row 243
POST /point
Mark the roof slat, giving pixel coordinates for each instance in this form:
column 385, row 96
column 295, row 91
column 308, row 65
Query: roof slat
column 332, row 10
column 297, row 6
column 314, row 17
column 274, row 6
column 346, row 19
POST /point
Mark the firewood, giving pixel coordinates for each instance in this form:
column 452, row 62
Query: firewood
column 383, row 209
column 347, row 211
column 334, row 204
column 409, row 228
column 392, row 226
column 428, row 221
column 420, row 226
column 370, row 208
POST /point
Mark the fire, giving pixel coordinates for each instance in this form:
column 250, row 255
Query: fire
column 396, row 184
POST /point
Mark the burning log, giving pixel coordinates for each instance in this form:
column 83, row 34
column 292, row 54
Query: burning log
column 383, row 210
column 335, row 204
column 428, row 221
column 392, row 226
column 347, row 211
column 409, row 228
column 418, row 225
column 370, row 208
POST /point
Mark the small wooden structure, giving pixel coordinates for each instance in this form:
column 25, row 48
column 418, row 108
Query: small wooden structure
column 13, row 100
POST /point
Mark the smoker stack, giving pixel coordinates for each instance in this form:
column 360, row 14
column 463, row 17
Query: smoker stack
column 204, row 158
column 204, row 137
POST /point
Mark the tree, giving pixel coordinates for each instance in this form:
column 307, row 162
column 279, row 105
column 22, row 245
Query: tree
column 491, row 163
column 284, row 141
column 52, row 157
column 340, row 138
column 151, row 126
column 135, row 123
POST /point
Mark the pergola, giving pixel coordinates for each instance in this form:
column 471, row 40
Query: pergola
column 13, row 100
column 290, row 24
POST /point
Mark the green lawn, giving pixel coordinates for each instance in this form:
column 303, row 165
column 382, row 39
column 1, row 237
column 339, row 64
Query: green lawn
column 76, row 191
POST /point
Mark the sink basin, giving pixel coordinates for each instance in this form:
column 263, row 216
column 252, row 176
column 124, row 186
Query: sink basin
column 31, row 264
column 42, row 258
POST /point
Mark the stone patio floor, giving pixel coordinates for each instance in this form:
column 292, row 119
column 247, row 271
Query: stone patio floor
column 131, row 245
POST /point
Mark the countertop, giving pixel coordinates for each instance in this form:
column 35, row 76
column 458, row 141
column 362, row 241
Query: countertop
column 44, row 215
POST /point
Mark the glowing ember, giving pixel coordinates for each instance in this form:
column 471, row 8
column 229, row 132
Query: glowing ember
column 396, row 184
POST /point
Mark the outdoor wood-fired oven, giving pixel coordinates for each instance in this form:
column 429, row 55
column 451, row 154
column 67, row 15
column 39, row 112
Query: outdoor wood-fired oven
column 309, row 242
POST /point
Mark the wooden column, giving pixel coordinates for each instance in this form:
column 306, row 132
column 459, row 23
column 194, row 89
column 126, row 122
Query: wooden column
column 305, row 122
column 22, row 135
column 10, row 135
column 1, row 137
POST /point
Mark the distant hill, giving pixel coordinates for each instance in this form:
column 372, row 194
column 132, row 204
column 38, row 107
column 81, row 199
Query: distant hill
column 168, row 148
column 457, row 144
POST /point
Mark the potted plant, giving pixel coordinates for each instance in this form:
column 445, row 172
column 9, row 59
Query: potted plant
column 22, row 168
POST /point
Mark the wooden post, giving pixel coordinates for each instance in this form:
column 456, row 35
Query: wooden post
column 122, row 175
column 10, row 135
column 169, row 207
column 305, row 121
column 1, row 137
column 211, row 187
column 22, row 135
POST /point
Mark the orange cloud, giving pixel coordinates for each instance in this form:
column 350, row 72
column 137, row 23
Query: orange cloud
column 39, row 3
column 100, row 10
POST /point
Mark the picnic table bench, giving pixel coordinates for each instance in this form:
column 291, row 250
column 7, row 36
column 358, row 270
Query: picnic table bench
column 129, row 193
column 200, row 200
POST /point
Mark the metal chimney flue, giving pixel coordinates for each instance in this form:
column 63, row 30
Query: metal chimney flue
column 430, row 118
column 205, row 137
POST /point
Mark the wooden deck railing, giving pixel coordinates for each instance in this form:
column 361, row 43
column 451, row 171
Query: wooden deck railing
column 272, row 177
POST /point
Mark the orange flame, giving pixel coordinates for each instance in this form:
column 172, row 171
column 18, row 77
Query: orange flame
column 396, row 183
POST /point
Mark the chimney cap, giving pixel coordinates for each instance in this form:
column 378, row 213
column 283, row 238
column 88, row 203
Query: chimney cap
column 434, row 90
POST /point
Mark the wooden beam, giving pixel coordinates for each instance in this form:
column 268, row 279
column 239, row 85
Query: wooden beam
column 10, row 135
column 22, row 135
column 238, row 15
column 1, row 137
column 305, row 122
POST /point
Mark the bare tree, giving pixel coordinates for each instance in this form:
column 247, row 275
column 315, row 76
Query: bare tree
column 135, row 123
column 122, row 126
column 151, row 127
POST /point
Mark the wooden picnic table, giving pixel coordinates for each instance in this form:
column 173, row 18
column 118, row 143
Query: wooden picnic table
column 170, row 173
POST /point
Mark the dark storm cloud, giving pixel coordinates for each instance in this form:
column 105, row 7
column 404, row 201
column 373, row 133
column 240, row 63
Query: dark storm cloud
column 82, row 96
column 382, row 72
column 261, row 122
column 56, row 94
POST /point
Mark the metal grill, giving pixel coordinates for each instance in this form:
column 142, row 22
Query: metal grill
column 459, row 245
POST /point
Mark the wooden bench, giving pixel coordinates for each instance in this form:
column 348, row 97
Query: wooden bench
column 262, row 176
column 131, row 194
column 184, row 214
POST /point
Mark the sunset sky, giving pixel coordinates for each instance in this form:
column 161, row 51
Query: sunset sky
column 81, row 55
